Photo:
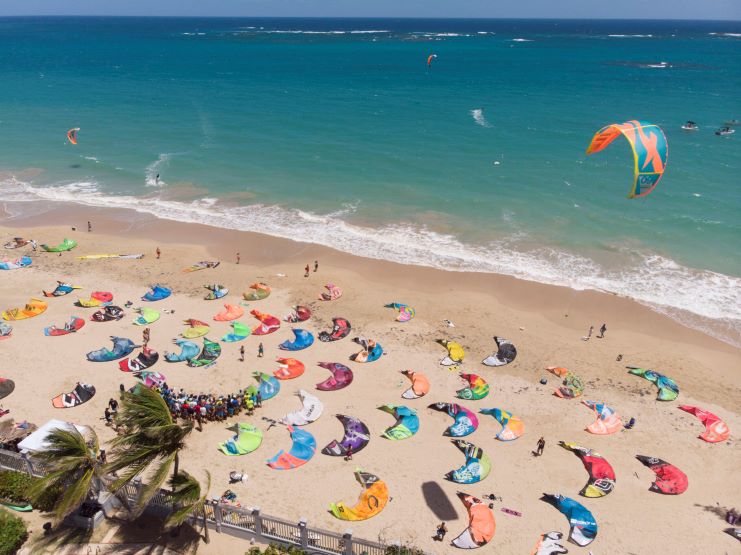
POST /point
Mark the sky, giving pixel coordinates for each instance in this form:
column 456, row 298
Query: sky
column 563, row 9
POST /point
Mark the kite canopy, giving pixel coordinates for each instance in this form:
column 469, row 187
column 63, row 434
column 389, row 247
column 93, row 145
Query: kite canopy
column 583, row 526
column 188, row 350
column 146, row 359
column 151, row 379
column 356, row 437
column 215, row 291
column 15, row 264
column 572, row 385
column 202, row 265
column 669, row 479
column 210, row 352
column 82, row 393
column 372, row 500
column 608, row 421
column 259, row 291
column 371, row 352
column 239, row 332
column 72, row 135
column 302, row 450
column 466, row 422
column 146, row 316
column 476, row 467
column 341, row 377
column 34, row 307
column 17, row 243
column 406, row 313
column 420, row 385
column 716, row 430
column 75, row 324
column 650, row 152
column 302, row 339
column 108, row 313
column 122, row 347
column 61, row 289
column 333, row 293
column 512, row 426
column 477, row 388
column 505, row 354
column 289, row 368
column 196, row 328
column 311, row 410
column 230, row 312
column 268, row 324
column 299, row 314
column 668, row 388
column 65, row 245
column 340, row 328
column 407, row 422
column 157, row 293
column 481, row 524
column 247, row 439
column 267, row 386
column 6, row 387
column 548, row 544
column 456, row 354
column 601, row 475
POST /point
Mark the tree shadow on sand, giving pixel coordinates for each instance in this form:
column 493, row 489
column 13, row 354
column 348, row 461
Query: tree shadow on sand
column 438, row 502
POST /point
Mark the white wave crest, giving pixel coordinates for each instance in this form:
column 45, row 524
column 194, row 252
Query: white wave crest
column 522, row 40
column 479, row 118
column 153, row 170
column 691, row 295
column 630, row 36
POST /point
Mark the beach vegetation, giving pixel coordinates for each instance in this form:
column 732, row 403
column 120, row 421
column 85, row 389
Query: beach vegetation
column 74, row 471
column 276, row 549
column 15, row 487
column 188, row 498
column 12, row 533
column 150, row 442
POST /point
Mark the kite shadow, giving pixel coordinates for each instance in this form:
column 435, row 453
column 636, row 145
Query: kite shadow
column 438, row 502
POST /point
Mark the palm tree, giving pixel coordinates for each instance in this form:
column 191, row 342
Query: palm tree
column 151, row 442
column 74, row 469
column 186, row 496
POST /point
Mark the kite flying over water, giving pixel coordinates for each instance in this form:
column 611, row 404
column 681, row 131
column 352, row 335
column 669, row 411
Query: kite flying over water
column 72, row 135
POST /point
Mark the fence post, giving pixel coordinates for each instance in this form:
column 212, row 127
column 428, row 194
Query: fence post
column 29, row 465
column 217, row 516
column 303, row 533
column 347, row 539
column 258, row 523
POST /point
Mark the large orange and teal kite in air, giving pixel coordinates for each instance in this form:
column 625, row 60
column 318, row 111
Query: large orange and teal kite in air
column 650, row 151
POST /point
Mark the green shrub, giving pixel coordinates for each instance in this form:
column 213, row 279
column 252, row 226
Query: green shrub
column 15, row 486
column 12, row 533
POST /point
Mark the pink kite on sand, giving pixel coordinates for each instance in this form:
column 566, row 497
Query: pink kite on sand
column 333, row 293
column 269, row 323
column 716, row 430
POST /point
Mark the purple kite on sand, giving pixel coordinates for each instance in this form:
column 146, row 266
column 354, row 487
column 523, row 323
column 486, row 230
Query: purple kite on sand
column 356, row 437
column 341, row 377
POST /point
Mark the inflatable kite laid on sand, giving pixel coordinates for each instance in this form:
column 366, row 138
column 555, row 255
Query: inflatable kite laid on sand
column 481, row 524
column 17, row 243
column 146, row 359
column 505, row 354
column 82, row 393
column 239, row 332
column 6, row 387
column 583, row 527
column 75, row 324
column 66, row 245
column 230, row 312
column 247, row 440
column 259, row 291
column 608, row 421
column 407, row 422
column 340, row 328
column 420, row 385
column 668, row 388
column 333, row 293
column 209, row 353
column 302, row 339
column 311, row 410
column 302, row 450
column 216, row 291
column 122, row 347
column 268, row 386
column 477, row 388
column 356, row 436
column 202, row 265
column 466, row 422
column 97, row 298
column 290, row 368
column 669, row 479
column 572, row 385
column 716, row 430
column 195, row 329
column 406, row 313
column 371, row 351
column 476, row 467
column 456, row 354
column 146, row 316
column 157, row 293
column 15, row 264
column 34, row 307
column 109, row 313
column 601, row 474
column 372, row 500
column 151, row 379
column 548, row 544
column 512, row 426
column 299, row 314
column 341, row 377
column 188, row 350
column 62, row 289
column 268, row 323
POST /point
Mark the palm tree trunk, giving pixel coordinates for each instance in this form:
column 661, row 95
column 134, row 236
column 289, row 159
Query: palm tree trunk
column 206, row 539
column 176, row 466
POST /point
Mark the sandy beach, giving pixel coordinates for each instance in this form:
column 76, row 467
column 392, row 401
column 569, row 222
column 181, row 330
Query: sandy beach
column 545, row 323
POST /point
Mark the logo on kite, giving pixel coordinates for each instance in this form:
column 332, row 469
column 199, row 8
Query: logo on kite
column 650, row 151
column 72, row 135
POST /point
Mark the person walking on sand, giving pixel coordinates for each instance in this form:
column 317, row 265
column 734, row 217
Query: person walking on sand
column 260, row 350
column 237, row 258
column 316, row 265
column 89, row 227
column 33, row 245
column 306, row 271
column 541, row 446
column 241, row 354
column 602, row 331
column 348, row 453
column 589, row 334
column 158, row 252
column 441, row 531
column 145, row 336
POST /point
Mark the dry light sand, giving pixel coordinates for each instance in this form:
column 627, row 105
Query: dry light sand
column 546, row 324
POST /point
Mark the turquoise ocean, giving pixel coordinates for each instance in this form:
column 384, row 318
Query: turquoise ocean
column 336, row 131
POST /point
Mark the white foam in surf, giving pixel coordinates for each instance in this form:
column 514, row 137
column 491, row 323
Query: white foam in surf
column 478, row 117
column 154, row 169
column 690, row 295
column 630, row 36
column 522, row 40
